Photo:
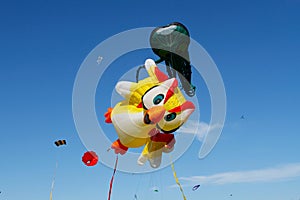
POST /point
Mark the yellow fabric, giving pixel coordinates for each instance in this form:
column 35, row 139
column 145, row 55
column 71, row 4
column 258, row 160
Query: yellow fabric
column 139, row 89
column 175, row 100
column 153, row 149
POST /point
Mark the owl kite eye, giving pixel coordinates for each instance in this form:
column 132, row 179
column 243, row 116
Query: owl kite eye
column 154, row 96
column 157, row 99
column 170, row 117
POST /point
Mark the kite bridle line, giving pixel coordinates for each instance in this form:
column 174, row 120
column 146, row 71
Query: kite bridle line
column 157, row 62
column 112, row 178
column 176, row 179
column 53, row 180
column 143, row 67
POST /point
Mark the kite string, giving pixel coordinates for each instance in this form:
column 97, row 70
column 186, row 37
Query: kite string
column 138, row 186
column 53, row 181
column 177, row 181
column 112, row 178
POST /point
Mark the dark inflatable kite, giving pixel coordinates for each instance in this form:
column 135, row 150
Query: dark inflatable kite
column 171, row 44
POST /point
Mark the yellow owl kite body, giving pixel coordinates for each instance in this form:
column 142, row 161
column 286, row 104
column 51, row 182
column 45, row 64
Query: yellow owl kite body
column 151, row 111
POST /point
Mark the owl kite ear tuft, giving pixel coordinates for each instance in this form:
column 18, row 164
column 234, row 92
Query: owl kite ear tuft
column 153, row 70
column 149, row 63
column 187, row 109
column 160, row 75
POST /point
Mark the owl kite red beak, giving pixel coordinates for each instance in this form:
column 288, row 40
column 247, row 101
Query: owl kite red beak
column 154, row 115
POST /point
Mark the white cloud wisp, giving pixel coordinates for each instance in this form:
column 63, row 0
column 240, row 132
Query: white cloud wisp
column 280, row 173
column 201, row 129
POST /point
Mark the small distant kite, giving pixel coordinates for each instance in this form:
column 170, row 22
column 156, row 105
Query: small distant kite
column 99, row 59
column 60, row 142
column 195, row 187
column 242, row 117
column 90, row 158
column 155, row 189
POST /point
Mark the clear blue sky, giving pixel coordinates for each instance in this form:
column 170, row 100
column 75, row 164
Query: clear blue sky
column 255, row 45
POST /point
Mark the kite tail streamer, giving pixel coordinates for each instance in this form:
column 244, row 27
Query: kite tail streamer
column 112, row 178
column 177, row 181
column 53, row 181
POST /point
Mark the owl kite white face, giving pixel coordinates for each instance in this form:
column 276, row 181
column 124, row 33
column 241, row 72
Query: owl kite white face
column 159, row 94
column 167, row 115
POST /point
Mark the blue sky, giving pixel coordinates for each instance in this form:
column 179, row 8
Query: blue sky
column 255, row 45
